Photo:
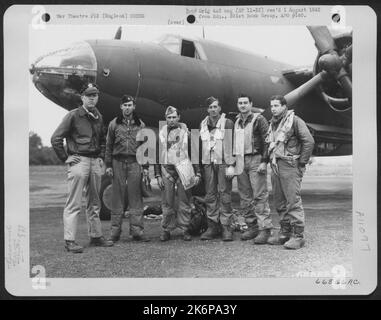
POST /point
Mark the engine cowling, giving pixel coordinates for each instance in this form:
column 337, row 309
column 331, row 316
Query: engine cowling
column 339, row 65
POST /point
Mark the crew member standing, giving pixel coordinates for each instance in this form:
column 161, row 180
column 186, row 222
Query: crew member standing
column 83, row 130
column 122, row 165
column 250, row 132
column 290, row 148
column 216, row 132
column 173, row 141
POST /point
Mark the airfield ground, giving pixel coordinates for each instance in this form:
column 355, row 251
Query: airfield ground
column 327, row 199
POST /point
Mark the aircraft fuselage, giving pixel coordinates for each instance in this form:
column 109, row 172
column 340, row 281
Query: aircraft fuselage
column 159, row 77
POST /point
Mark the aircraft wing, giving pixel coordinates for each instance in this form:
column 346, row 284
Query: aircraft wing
column 298, row 76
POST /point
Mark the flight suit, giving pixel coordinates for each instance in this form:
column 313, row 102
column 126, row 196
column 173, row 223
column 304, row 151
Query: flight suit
column 252, row 186
column 218, row 188
column 121, row 147
column 288, row 157
column 174, row 144
column 290, row 148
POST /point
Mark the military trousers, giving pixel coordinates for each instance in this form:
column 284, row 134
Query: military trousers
column 253, row 191
column 126, row 170
column 85, row 175
column 218, row 193
column 286, row 183
column 173, row 218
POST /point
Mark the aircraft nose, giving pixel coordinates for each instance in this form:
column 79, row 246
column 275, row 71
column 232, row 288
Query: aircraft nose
column 59, row 75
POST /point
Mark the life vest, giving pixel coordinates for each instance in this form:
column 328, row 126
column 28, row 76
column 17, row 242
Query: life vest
column 277, row 139
column 243, row 137
column 212, row 141
column 174, row 144
column 177, row 154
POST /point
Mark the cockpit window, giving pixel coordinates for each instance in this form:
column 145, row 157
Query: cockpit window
column 186, row 48
column 79, row 56
column 171, row 43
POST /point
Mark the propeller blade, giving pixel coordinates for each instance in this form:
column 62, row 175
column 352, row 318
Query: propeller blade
column 330, row 61
column 346, row 83
column 295, row 95
column 118, row 34
column 347, row 56
column 348, row 53
column 323, row 39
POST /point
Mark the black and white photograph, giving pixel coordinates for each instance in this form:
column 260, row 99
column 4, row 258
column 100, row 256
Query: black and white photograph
column 187, row 151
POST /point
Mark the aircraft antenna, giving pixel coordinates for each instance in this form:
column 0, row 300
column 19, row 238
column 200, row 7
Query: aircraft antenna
column 118, row 34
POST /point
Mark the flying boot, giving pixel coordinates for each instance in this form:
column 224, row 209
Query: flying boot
column 263, row 236
column 297, row 238
column 165, row 236
column 100, row 242
column 212, row 231
column 283, row 235
column 227, row 234
column 187, row 236
column 251, row 232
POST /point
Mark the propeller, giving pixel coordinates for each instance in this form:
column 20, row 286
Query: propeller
column 118, row 34
column 323, row 39
column 295, row 95
column 331, row 64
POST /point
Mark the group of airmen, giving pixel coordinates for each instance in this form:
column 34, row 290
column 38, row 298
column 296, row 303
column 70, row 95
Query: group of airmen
column 284, row 143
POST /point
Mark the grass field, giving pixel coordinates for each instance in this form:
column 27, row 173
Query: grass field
column 327, row 199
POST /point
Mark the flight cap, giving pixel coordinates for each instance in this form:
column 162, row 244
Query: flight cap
column 89, row 89
column 210, row 100
column 127, row 98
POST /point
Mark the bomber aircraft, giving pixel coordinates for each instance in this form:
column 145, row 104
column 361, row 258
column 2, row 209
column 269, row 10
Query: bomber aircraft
column 183, row 72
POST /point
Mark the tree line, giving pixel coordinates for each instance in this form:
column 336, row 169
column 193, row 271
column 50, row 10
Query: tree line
column 40, row 154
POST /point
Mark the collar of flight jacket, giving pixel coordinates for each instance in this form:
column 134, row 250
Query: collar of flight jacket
column 135, row 118
column 210, row 123
column 243, row 122
column 177, row 126
column 82, row 111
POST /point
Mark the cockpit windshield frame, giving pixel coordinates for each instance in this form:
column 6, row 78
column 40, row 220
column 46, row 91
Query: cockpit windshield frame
column 78, row 58
column 182, row 47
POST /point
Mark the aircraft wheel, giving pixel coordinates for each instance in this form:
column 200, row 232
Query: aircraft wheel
column 106, row 196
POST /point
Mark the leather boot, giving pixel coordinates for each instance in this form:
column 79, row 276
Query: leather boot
column 212, row 231
column 140, row 237
column 283, row 235
column 250, row 233
column 297, row 238
column 115, row 236
column 165, row 236
column 263, row 236
column 187, row 236
column 227, row 234
column 72, row 246
column 100, row 242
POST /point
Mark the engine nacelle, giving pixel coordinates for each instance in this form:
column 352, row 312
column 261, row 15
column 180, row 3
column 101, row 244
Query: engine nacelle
column 330, row 89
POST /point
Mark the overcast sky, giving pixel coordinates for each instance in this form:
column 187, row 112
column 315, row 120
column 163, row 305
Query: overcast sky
column 290, row 44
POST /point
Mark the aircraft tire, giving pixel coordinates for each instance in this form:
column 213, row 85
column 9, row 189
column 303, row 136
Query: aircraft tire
column 105, row 195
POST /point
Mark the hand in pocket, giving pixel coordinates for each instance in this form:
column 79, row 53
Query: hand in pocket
column 73, row 159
